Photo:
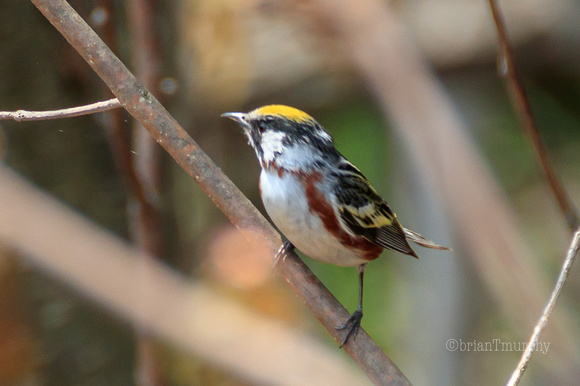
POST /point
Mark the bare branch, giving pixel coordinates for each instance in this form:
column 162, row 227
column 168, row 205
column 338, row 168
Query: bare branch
column 521, row 103
column 139, row 102
column 93, row 108
column 530, row 348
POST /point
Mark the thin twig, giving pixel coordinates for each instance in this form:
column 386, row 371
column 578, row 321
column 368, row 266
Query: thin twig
column 93, row 108
column 116, row 127
column 145, row 220
column 522, row 104
column 146, row 223
column 530, row 348
column 139, row 102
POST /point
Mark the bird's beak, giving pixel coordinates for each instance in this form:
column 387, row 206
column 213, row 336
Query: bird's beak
column 240, row 118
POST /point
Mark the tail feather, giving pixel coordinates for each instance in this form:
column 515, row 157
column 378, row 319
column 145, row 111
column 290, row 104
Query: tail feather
column 420, row 240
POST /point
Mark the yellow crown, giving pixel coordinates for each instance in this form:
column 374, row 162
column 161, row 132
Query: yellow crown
column 283, row 111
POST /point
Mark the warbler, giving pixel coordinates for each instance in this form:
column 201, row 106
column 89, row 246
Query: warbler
column 319, row 200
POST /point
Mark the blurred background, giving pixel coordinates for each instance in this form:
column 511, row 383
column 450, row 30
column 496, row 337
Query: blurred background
column 486, row 195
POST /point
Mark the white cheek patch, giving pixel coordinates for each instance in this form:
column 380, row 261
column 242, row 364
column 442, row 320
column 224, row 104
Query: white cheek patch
column 272, row 144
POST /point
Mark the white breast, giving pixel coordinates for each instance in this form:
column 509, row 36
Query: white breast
column 285, row 200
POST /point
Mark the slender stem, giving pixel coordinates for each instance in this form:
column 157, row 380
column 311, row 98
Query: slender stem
column 522, row 104
column 93, row 108
column 117, row 127
column 145, row 221
column 543, row 321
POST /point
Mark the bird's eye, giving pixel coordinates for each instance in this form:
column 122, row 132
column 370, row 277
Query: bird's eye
column 262, row 126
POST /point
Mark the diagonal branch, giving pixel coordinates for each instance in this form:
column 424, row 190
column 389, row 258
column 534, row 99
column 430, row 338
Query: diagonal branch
column 24, row 115
column 139, row 102
column 543, row 322
column 522, row 105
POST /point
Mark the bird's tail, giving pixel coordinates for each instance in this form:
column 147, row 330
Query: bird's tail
column 420, row 240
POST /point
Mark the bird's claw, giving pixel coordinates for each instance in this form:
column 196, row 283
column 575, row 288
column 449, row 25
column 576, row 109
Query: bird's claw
column 352, row 325
column 286, row 248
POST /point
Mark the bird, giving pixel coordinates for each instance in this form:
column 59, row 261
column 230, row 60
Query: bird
column 320, row 201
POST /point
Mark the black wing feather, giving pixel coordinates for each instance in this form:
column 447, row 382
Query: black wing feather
column 364, row 213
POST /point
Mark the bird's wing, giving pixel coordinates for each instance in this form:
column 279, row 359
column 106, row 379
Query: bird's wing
column 364, row 213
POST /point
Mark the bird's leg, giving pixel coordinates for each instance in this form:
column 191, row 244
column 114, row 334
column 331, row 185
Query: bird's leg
column 286, row 248
column 352, row 324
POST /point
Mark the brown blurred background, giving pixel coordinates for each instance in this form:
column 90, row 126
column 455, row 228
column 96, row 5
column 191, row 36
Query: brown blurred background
column 229, row 55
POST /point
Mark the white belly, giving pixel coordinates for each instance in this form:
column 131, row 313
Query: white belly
column 285, row 200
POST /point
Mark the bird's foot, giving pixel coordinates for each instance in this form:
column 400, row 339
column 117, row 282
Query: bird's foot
column 352, row 325
column 284, row 250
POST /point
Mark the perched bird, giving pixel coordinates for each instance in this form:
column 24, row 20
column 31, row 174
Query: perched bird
column 319, row 200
